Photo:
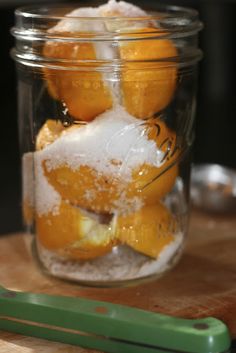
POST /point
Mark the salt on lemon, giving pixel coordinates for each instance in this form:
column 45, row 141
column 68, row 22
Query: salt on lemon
column 143, row 89
column 48, row 133
column 111, row 160
column 86, row 169
column 84, row 187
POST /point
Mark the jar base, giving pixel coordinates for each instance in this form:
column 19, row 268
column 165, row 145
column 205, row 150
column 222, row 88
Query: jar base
column 121, row 268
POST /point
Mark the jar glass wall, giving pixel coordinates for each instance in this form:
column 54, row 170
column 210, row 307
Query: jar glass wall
column 106, row 111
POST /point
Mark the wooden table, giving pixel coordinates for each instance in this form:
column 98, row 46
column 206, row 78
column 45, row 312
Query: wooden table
column 202, row 284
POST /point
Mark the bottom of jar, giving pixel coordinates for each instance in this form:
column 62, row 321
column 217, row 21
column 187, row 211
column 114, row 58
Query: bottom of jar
column 122, row 267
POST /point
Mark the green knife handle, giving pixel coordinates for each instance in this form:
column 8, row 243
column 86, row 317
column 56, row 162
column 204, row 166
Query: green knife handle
column 108, row 327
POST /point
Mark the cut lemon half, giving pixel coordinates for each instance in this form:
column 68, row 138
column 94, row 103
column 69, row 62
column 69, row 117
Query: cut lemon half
column 74, row 234
column 84, row 187
column 151, row 183
column 83, row 92
column 91, row 189
column 147, row 231
column 149, row 77
column 78, row 79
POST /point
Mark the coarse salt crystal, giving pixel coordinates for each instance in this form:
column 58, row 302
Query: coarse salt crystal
column 114, row 135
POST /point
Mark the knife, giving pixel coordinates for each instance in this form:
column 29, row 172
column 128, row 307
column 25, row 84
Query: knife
column 108, row 327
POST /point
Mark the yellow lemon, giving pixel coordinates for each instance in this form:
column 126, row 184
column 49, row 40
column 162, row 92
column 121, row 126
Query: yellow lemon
column 147, row 231
column 74, row 234
column 148, row 86
column 84, row 187
column 82, row 91
column 151, row 183
column 98, row 192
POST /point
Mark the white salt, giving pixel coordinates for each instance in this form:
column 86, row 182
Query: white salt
column 122, row 8
column 77, row 22
column 72, row 24
column 105, row 50
column 37, row 192
column 47, row 199
column 125, row 205
column 114, row 144
column 122, row 263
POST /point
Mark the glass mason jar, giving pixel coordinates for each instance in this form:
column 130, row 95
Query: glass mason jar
column 106, row 115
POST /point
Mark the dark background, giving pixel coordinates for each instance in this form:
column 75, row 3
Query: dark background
column 216, row 112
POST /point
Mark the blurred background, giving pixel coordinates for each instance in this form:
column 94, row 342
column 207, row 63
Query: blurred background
column 216, row 112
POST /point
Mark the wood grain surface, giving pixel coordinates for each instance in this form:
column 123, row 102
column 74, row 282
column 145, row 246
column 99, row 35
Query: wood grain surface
column 202, row 284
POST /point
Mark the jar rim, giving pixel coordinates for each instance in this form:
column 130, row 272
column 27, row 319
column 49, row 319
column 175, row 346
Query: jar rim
column 28, row 11
column 176, row 18
column 38, row 24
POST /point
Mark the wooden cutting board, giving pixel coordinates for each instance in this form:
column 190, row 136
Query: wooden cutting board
column 202, row 284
